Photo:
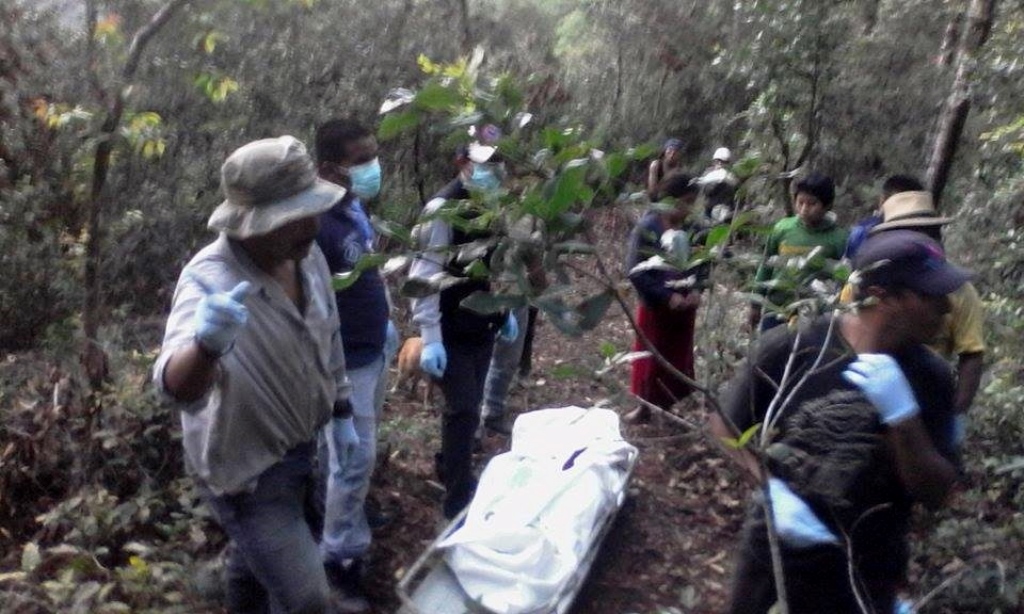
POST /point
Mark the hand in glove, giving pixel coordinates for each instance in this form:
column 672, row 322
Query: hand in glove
column 795, row 522
column 882, row 381
column 433, row 359
column 346, row 431
column 509, row 330
column 391, row 340
column 959, row 429
column 219, row 317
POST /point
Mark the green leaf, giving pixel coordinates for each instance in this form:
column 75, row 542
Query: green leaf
column 554, row 138
column 437, row 97
column 566, row 371
column 563, row 193
column 478, row 270
column 607, row 349
column 340, row 281
column 593, row 309
column 487, row 303
column 748, row 434
column 717, row 235
column 397, row 123
column 746, row 167
column 475, row 250
column 561, row 316
column 616, row 164
column 416, row 287
column 393, row 230
column 842, row 271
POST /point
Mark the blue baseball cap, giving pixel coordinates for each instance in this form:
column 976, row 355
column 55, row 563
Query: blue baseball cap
column 908, row 259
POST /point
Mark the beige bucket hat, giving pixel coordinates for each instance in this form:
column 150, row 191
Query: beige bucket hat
column 909, row 210
column 267, row 184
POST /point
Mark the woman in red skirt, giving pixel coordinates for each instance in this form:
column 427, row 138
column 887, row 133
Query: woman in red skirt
column 669, row 291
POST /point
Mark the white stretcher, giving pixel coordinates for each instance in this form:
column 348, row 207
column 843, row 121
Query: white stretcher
column 527, row 541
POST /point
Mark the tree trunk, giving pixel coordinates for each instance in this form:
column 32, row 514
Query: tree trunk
column 94, row 359
column 467, row 34
column 947, row 51
column 870, row 16
column 980, row 16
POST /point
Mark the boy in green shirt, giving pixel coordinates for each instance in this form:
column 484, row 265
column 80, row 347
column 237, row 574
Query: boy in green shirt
column 797, row 236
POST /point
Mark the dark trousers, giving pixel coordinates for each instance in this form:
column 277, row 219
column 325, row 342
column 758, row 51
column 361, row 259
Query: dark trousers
column 463, row 388
column 526, row 358
column 671, row 332
column 817, row 578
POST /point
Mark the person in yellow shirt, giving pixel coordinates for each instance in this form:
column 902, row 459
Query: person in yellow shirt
column 961, row 334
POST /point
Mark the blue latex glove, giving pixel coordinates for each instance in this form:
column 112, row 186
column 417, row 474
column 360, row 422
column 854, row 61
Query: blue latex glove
column 880, row 378
column 795, row 522
column 902, row 606
column 346, row 431
column 509, row 330
column 219, row 317
column 433, row 359
column 959, row 429
column 390, row 342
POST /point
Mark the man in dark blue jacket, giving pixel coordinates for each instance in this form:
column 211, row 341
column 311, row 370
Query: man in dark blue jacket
column 457, row 342
column 347, row 155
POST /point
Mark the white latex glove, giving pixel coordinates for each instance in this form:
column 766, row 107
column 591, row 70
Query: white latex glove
column 795, row 522
column 882, row 381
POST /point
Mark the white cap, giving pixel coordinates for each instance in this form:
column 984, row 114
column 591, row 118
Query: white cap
column 480, row 153
column 722, row 154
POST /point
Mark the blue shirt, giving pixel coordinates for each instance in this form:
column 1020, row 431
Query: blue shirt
column 345, row 237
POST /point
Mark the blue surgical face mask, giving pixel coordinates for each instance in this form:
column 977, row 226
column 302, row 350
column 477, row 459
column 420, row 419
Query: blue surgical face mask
column 484, row 177
column 366, row 179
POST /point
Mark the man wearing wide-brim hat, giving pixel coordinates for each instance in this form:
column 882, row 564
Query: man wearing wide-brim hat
column 961, row 333
column 252, row 356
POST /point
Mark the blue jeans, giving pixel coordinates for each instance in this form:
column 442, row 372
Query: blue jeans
column 348, row 469
column 274, row 564
column 502, row 370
